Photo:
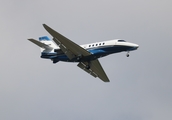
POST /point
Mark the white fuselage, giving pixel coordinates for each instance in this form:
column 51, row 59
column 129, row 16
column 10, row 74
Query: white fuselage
column 97, row 49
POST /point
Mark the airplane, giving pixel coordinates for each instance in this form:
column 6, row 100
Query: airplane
column 61, row 48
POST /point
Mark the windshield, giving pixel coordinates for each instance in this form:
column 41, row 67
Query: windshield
column 121, row 41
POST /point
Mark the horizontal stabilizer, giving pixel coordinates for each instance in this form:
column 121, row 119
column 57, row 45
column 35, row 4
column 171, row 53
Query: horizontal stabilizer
column 42, row 45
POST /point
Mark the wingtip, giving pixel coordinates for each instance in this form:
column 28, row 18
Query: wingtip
column 44, row 25
column 29, row 39
column 107, row 81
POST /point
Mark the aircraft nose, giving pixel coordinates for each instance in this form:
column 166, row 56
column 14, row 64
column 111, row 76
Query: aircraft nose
column 136, row 46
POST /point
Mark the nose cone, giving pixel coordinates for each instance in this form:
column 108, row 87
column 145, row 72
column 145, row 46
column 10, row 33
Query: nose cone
column 136, row 46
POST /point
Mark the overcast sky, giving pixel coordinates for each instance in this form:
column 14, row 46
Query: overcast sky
column 140, row 86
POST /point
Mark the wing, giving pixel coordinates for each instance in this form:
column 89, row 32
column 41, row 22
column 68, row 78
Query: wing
column 95, row 69
column 70, row 48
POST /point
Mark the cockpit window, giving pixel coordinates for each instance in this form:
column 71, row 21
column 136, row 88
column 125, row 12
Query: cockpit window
column 121, row 41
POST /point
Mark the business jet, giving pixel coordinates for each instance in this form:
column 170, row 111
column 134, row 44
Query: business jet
column 61, row 48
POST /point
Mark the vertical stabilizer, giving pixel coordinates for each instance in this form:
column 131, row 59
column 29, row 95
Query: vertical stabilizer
column 46, row 40
column 46, row 45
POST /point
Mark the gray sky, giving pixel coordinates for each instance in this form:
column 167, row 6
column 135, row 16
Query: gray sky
column 33, row 88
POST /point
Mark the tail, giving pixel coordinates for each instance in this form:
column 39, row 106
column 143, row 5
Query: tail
column 48, row 48
column 45, row 44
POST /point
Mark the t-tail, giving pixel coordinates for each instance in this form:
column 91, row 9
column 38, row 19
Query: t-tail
column 46, row 45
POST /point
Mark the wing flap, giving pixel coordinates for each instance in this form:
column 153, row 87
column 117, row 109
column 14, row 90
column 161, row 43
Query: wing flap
column 83, row 66
column 95, row 70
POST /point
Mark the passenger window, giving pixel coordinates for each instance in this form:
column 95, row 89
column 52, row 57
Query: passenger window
column 99, row 43
column 93, row 45
column 103, row 43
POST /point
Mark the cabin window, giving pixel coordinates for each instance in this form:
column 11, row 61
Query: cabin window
column 93, row 45
column 89, row 45
column 99, row 43
column 96, row 44
column 103, row 43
